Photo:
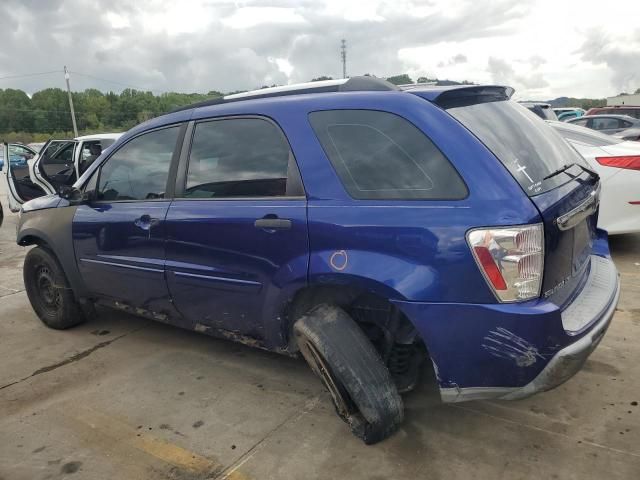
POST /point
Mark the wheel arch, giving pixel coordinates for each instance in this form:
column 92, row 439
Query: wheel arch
column 52, row 229
column 373, row 296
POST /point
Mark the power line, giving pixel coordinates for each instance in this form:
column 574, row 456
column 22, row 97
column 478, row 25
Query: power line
column 23, row 75
column 111, row 81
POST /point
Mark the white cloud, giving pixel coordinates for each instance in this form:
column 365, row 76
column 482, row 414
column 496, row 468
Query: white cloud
column 247, row 17
column 544, row 48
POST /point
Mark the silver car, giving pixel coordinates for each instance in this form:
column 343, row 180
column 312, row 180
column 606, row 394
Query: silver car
column 609, row 124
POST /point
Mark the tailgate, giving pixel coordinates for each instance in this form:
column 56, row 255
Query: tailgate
column 569, row 213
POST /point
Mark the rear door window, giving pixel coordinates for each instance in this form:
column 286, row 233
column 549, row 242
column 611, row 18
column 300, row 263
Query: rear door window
column 242, row 157
column 604, row 123
column 379, row 155
column 529, row 148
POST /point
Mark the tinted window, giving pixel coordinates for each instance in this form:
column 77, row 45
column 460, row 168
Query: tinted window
column 582, row 122
column 584, row 135
column 243, row 157
column 18, row 154
column 604, row 123
column 529, row 148
column 58, row 153
column 139, row 170
column 632, row 112
column 379, row 155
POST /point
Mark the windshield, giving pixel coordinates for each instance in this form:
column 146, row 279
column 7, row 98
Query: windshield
column 584, row 135
column 523, row 142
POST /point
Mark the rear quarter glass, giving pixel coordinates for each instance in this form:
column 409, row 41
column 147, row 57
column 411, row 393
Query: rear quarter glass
column 524, row 143
column 380, row 155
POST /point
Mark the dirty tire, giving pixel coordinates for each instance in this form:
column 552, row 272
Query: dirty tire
column 360, row 385
column 49, row 292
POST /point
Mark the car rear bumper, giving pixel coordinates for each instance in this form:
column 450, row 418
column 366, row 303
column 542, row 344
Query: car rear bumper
column 568, row 361
column 514, row 351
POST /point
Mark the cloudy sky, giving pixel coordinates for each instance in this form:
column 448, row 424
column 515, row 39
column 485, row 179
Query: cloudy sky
column 544, row 48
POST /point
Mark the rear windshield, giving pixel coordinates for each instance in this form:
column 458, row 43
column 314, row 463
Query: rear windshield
column 632, row 112
column 523, row 142
column 548, row 113
column 584, row 135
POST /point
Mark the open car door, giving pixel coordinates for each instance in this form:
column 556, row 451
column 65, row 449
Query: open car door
column 55, row 165
column 15, row 169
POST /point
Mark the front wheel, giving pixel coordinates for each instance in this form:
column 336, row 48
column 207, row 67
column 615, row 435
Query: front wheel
column 360, row 385
column 49, row 292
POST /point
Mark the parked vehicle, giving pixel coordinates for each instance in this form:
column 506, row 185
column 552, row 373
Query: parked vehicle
column 608, row 124
column 567, row 113
column 19, row 184
column 366, row 227
column 37, row 146
column 618, row 164
column 631, row 111
column 632, row 134
column 59, row 163
column 19, row 155
column 543, row 110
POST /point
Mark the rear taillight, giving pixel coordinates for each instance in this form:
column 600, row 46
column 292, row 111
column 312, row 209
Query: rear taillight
column 629, row 162
column 511, row 260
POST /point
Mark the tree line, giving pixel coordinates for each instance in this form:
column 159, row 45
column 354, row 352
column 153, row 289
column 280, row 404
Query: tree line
column 46, row 114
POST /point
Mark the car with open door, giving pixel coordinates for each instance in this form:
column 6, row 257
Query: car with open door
column 19, row 186
column 371, row 229
column 60, row 163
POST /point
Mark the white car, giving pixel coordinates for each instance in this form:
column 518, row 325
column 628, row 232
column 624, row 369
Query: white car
column 618, row 164
column 59, row 162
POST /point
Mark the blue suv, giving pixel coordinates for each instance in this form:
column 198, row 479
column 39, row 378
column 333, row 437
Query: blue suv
column 374, row 230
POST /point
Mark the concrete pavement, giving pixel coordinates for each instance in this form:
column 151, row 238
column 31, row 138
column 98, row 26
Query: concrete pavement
column 121, row 397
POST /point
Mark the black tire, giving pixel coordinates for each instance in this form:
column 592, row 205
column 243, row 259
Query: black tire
column 360, row 385
column 49, row 292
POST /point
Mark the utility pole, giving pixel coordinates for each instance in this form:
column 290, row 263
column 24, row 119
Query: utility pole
column 73, row 112
column 343, row 54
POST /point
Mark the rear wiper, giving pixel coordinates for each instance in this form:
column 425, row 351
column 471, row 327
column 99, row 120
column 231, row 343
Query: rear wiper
column 566, row 167
column 559, row 170
column 595, row 176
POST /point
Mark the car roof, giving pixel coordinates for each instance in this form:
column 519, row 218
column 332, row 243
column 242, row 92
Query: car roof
column 309, row 93
column 541, row 104
column 607, row 115
column 614, row 107
column 100, row 136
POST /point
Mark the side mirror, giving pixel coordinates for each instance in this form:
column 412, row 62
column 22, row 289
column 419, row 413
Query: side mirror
column 72, row 194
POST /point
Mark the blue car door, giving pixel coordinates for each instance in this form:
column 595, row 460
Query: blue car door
column 237, row 243
column 119, row 235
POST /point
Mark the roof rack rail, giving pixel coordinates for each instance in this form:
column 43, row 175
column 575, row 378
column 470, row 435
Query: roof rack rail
column 353, row 84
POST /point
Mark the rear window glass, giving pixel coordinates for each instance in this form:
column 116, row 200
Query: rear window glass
column 379, row 155
column 632, row 112
column 584, row 135
column 524, row 143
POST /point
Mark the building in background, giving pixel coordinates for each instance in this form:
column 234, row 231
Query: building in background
column 624, row 100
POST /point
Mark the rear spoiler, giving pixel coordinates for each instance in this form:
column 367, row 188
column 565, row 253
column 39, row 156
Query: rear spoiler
column 464, row 95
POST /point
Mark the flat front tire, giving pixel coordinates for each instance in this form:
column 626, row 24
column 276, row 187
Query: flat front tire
column 49, row 292
column 361, row 388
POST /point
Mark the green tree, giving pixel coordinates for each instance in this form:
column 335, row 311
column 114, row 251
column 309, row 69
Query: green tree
column 403, row 79
column 51, row 111
column 15, row 111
